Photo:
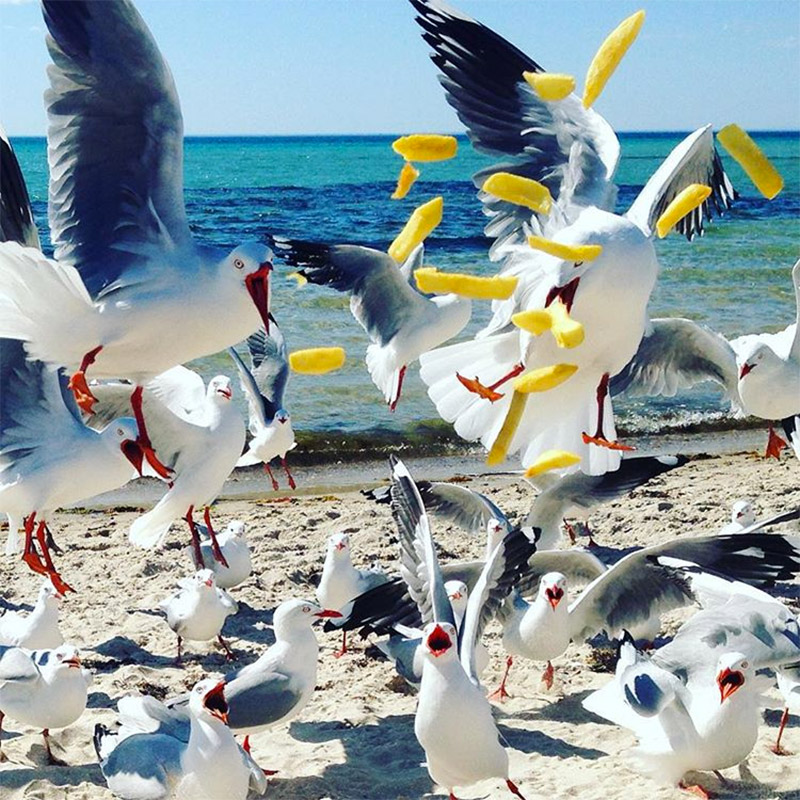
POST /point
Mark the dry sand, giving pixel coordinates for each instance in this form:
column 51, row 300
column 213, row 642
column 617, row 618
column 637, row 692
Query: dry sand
column 355, row 739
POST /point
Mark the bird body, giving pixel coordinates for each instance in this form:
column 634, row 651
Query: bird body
column 235, row 549
column 340, row 581
column 37, row 630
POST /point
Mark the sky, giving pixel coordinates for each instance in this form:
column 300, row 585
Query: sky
column 261, row 67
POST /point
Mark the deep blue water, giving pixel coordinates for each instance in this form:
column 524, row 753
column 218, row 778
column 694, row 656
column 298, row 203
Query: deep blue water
column 336, row 189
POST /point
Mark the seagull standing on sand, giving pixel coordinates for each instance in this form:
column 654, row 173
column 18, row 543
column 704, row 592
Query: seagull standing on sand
column 401, row 322
column 573, row 152
column 198, row 610
column 37, row 630
column 742, row 516
column 235, row 550
column 264, row 384
column 151, row 764
column 42, row 688
column 340, row 581
column 130, row 294
column 200, row 434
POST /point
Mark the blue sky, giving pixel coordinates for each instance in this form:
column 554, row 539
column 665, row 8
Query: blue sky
column 359, row 66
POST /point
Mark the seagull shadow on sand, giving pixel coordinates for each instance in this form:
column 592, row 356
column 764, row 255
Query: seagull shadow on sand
column 121, row 651
column 567, row 709
column 381, row 759
column 532, row 741
column 69, row 777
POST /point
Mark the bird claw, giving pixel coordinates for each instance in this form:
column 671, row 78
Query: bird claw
column 780, row 751
column 547, row 677
column 774, row 446
column 59, row 584
column 696, row 790
column 476, row 387
column 601, row 441
column 35, row 563
column 499, row 694
column 81, row 391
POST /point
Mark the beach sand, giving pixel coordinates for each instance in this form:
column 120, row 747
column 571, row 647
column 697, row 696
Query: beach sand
column 355, row 739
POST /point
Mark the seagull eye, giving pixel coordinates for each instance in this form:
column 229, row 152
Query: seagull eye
column 120, row 431
column 306, row 609
column 238, row 263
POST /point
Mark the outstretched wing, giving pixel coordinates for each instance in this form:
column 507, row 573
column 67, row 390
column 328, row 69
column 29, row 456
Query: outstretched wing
column 16, row 217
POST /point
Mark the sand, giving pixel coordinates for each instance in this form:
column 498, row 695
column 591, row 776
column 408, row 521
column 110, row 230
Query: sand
column 355, row 739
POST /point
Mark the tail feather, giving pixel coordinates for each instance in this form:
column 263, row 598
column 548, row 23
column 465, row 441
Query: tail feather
column 384, row 371
column 150, row 530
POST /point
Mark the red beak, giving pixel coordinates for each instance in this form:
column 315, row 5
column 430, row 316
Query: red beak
column 439, row 642
column 226, row 393
column 339, row 545
column 728, row 681
column 745, row 370
column 554, row 596
column 216, row 703
column 258, row 285
column 133, row 452
column 327, row 612
column 73, row 662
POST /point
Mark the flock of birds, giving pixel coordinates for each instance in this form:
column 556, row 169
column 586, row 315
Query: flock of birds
column 93, row 391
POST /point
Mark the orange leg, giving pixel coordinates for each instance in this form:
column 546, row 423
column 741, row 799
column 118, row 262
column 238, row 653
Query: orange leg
column 288, row 474
column 78, row 385
column 547, row 676
column 144, row 439
column 228, row 652
column 599, row 437
column 30, row 554
column 198, row 553
column 776, row 748
column 500, row 692
column 340, row 653
column 393, row 404
column 275, row 486
column 215, row 548
column 774, row 445
column 512, row 787
column 696, row 790
column 61, row 586
column 488, row 392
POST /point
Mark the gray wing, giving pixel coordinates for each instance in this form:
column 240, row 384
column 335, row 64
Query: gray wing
column 675, row 355
column 17, row 665
column 139, row 761
column 571, row 150
column 115, row 141
column 694, row 160
column 381, row 299
column 467, row 509
column 775, row 519
column 419, row 564
column 579, row 567
column 258, row 698
column 16, row 218
column 496, row 580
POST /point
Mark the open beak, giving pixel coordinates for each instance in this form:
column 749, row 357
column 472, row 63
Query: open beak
column 73, row 663
column 455, row 596
column 133, row 452
column 728, row 681
column 327, row 612
column 565, row 293
column 216, row 703
column 554, row 596
column 227, row 393
column 745, row 370
column 439, row 642
column 258, row 285
column 339, row 545
column 209, row 582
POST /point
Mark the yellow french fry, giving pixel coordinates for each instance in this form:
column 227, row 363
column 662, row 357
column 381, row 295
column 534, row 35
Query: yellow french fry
column 520, row 191
column 301, row 279
column 426, row 147
column 609, row 55
column 497, row 287
column 686, row 201
column 408, row 175
column 500, row 446
column 566, row 331
column 422, row 221
column 550, row 86
column 544, row 378
column 567, row 252
column 551, row 459
column 752, row 160
column 317, row 360
column 535, row 321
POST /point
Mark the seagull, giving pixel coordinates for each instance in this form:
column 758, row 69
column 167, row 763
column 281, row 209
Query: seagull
column 789, row 686
column 574, row 153
column 200, row 434
column 340, row 581
column 37, row 630
column 235, row 550
column 130, row 293
column 149, row 763
column 42, row 688
column 760, row 373
column 198, row 610
column 742, row 516
column 402, row 323
column 264, row 384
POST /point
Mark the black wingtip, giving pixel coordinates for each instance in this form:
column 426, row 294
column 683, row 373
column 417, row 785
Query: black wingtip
column 300, row 252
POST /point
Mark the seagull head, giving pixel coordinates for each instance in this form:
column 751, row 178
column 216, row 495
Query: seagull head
column 282, row 416
column 552, row 588
column 236, row 528
column 292, row 616
column 205, row 579
column 731, row 671
column 457, row 594
column 220, row 389
column 439, row 638
column 252, row 263
column 742, row 513
column 48, row 594
column 339, row 545
column 123, row 435
column 59, row 660
column 761, row 355
column 495, row 530
column 207, row 701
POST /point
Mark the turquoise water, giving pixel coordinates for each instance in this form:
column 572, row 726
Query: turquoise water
column 336, row 189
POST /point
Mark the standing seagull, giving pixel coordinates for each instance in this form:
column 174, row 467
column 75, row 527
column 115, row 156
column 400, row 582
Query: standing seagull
column 37, row 630
column 264, row 385
column 401, row 322
column 130, row 293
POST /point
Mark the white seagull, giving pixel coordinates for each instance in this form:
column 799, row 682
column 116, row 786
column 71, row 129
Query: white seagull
column 235, row 550
column 198, row 610
column 45, row 689
column 199, row 433
column 340, row 581
column 264, row 384
column 742, row 516
column 150, row 758
column 37, row 630
column 401, row 322
column 130, row 294
column 574, row 152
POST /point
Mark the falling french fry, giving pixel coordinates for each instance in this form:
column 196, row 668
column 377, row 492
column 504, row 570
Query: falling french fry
column 555, row 318
column 300, row 278
column 551, row 459
column 497, row 287
column 567, row 252
column 752, row 160
column 317, row 360
column 550, row 86
column 520, row 191
column 684, row 203
column 408, row 175
column 422, row 221
column 426, row 147
column 499, row 448
column 544, row 379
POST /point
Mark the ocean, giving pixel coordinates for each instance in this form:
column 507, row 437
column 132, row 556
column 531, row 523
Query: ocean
column 335, row 189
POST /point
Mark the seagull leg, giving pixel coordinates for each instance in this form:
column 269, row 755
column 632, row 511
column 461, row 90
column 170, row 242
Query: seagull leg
column 51, row 759
column 774, row 445
column 547, row 676
column 228, row 652
column 573, row 539
column 288, row 474
column 246, row 748
column 393, row 404
column 695, row 789
column 340, row 653
column 3, row 756
column 488, row 392
column 271, row 477
column 144, row 439
column 60, row 585
column 776, row 748
column 512, row 787
column 500, row 692
column 78, row 386
column 30, row 555
column 215, row 548
column 198, row 553
column 599, row 437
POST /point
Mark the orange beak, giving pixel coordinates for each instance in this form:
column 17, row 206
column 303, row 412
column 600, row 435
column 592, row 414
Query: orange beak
column 216, row 703
column 728, row 681
column 327, row 612
column 554, row 596
column 133, row 452
column 258, row 286
column 746, row 370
